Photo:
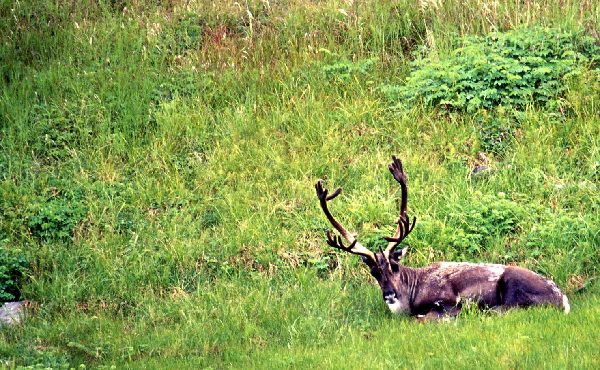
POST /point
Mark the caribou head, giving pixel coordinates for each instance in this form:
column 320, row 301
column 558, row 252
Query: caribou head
column 440, row 289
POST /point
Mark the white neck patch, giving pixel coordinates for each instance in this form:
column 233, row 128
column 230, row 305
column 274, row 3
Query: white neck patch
column 396, row 307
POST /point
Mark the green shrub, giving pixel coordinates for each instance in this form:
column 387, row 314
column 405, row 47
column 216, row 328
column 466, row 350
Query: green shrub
column 55, row 219
column 481, row 219
column 514, row 68
column 375, row 241
column 13, row 266
column 188, row 32
column 344, row 71
column 60, row 128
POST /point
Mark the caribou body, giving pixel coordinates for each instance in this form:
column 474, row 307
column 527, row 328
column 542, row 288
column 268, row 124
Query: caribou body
column 441, row 289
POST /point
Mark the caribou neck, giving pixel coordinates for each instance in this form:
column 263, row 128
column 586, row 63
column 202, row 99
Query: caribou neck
column 409, row 279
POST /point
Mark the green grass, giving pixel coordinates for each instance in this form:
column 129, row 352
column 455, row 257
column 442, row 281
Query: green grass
column 157, row 166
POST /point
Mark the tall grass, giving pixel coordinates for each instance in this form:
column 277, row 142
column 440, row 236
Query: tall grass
column 157, row 165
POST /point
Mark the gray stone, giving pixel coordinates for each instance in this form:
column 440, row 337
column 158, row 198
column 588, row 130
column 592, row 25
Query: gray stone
column 11, row 313
column 477, row 170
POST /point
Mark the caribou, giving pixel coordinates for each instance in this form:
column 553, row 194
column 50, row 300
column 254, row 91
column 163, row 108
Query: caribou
column 441, row 289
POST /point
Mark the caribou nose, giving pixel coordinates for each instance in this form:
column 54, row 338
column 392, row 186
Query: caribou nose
column 389, row 296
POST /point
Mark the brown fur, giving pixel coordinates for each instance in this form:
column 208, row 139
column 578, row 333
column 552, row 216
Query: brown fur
column 441, row 289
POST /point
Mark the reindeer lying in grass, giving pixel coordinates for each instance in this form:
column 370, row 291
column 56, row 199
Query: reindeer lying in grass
column 439, row 290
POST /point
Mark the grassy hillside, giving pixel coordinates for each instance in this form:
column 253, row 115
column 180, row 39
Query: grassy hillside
column 157, row 165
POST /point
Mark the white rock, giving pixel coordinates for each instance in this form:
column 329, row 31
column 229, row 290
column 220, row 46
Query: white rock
column 11, row 313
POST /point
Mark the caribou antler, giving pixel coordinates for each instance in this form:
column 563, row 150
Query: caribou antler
column 335, row 241
column 404, row 226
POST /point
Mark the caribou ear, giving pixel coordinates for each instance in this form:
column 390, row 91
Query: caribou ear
column 398, row 254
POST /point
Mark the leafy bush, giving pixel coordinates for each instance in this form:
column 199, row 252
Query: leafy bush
column 61, row 129
column 375, row 242
column 481, row 219
column 29, row 357
column 343, row 71
column 323, row 264
column 188, row 33
column 514, row 68
column 55, row 219
column 12, row 269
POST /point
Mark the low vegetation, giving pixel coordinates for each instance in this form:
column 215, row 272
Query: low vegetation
column 157, row 165
column 517, row 68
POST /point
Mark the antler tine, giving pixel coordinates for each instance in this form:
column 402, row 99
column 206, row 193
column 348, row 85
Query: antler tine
column 336, row 242
column 404, row 226
column 398, row 172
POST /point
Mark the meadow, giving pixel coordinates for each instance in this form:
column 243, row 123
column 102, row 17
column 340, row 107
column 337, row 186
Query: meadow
column 158, row 162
